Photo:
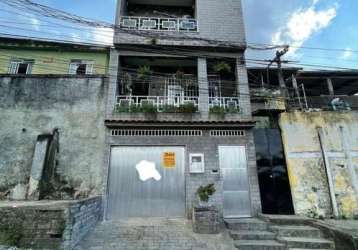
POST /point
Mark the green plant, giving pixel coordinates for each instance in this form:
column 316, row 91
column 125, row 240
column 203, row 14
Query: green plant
column 149, row 108
column 204, row 192
column 222, row 67
column 128, row 109
column 169, row 109
column 218, row 110
column 10, row 235
column 144, row 72
column 187, row 108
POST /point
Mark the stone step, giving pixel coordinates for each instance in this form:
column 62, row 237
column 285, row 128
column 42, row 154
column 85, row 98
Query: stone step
column 310, row 243
column 307, row 249
column 296, row 231
column 250, row 224
column 284, row 219
column 252, row 235
column 259, row 245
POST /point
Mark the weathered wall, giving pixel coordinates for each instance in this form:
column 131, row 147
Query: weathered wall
column 305, row 161
column 48, row 225
column 53, row 61
column 30, row 106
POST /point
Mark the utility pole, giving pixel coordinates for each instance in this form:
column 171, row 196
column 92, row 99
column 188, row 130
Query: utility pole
column 277, row 59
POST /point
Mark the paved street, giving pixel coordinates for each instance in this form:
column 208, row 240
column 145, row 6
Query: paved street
column 164, row 234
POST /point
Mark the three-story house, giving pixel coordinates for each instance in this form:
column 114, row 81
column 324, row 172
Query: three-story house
column 178, row 113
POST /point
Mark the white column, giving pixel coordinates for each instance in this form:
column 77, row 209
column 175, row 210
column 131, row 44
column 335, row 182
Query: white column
column 243, row 88
column 203, row 86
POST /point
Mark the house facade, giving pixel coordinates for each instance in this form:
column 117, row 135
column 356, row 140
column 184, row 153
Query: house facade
column 178, row 113
column 36, row 57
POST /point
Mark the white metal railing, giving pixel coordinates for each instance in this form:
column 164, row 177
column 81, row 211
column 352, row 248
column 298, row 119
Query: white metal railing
column 225, row 102
column 160, row 102
column 159, row 24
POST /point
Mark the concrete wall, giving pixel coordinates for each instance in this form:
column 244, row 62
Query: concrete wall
column 209, row 146
column 306, row 165
column 30, row 106
column 48, row 225
column 217, row 21
column 53, row 61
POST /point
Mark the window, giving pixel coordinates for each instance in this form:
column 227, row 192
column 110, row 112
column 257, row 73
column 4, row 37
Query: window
column 20, row 66
column 81, row 67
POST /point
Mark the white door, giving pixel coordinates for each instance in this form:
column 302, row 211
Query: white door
column 146, row 182
column 236, row 195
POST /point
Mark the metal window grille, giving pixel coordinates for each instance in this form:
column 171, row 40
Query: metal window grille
column 145, row 132
column 217, row 133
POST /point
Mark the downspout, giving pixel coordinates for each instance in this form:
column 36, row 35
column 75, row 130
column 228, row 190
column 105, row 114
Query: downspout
column 328, row 173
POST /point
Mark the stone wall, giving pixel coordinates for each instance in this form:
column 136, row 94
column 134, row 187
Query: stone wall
column 48, row 225
column 34, row 105
column 307, row 165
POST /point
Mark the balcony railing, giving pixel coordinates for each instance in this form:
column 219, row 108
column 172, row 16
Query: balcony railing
column 160, row 103
column 159, row 24
column 231, row 103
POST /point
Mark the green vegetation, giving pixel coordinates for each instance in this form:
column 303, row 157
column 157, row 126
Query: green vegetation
column 11, row 235
column 187, row 108
column 144, row 72
column 205, row 192
column 222, row 67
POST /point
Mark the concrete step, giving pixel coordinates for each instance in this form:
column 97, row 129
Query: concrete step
column 250, row 224
column 284, row 219
column 259, row 245
column 296, row 231
column 310, row 243
column 252, row 235
column 307, row 249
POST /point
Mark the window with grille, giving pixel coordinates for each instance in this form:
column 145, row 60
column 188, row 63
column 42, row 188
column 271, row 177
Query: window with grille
column 81, row 67
column 144, row 132
column 20, row 66
column 217, row 133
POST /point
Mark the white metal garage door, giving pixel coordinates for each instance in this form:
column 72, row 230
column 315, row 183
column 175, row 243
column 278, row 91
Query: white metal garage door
column 146, row 182
column 236, row 195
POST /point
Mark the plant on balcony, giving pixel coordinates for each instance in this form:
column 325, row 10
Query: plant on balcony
column 128, row 109
column 169, row 109
column 149, row 108
column 187, row 108
column 218, row 110
column 222, row 67
column 144, row 72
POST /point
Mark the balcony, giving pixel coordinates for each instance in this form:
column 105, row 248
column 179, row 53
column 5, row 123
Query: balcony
column 159, row 24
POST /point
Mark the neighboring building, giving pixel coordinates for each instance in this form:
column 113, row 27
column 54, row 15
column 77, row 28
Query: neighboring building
column 31, row 57
column 179, row 105
column 306, row 141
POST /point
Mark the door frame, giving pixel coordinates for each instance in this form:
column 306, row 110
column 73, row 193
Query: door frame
column 106, row 184
column 245, row 146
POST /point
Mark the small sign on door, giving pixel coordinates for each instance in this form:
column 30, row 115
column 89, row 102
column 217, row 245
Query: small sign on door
column 169, row 160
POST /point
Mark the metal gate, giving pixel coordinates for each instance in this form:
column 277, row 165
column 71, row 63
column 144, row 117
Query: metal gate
column 146, row 182
column 236, row 196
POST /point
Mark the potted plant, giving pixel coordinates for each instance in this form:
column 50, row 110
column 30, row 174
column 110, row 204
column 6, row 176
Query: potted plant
column 204, row 194
column 222, row 68
column 205, row 214
column 144, row 72
column 188, row 108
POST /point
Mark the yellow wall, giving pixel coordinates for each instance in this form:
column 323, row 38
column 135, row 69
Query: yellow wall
column 308, row 179
column 53, row 62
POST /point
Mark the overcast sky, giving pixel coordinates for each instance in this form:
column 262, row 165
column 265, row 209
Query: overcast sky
column 308, row 23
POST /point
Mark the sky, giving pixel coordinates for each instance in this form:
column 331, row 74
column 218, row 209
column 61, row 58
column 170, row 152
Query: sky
column 330, row 24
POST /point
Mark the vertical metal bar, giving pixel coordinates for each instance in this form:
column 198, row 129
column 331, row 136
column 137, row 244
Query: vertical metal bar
column 295, row 86
column 328, row 172
column 304, row 95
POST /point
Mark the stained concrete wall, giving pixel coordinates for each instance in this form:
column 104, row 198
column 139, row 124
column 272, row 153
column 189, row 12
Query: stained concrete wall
column 30, row 106
column 306, row 165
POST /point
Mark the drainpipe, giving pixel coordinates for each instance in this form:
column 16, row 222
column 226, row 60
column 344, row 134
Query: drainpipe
column 347, row 152
column 328, row 173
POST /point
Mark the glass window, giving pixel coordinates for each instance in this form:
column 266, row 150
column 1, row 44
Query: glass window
column 20, row 66
column 81, row 67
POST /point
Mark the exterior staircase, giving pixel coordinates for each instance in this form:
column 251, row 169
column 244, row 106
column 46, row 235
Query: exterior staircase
column 277, row 233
